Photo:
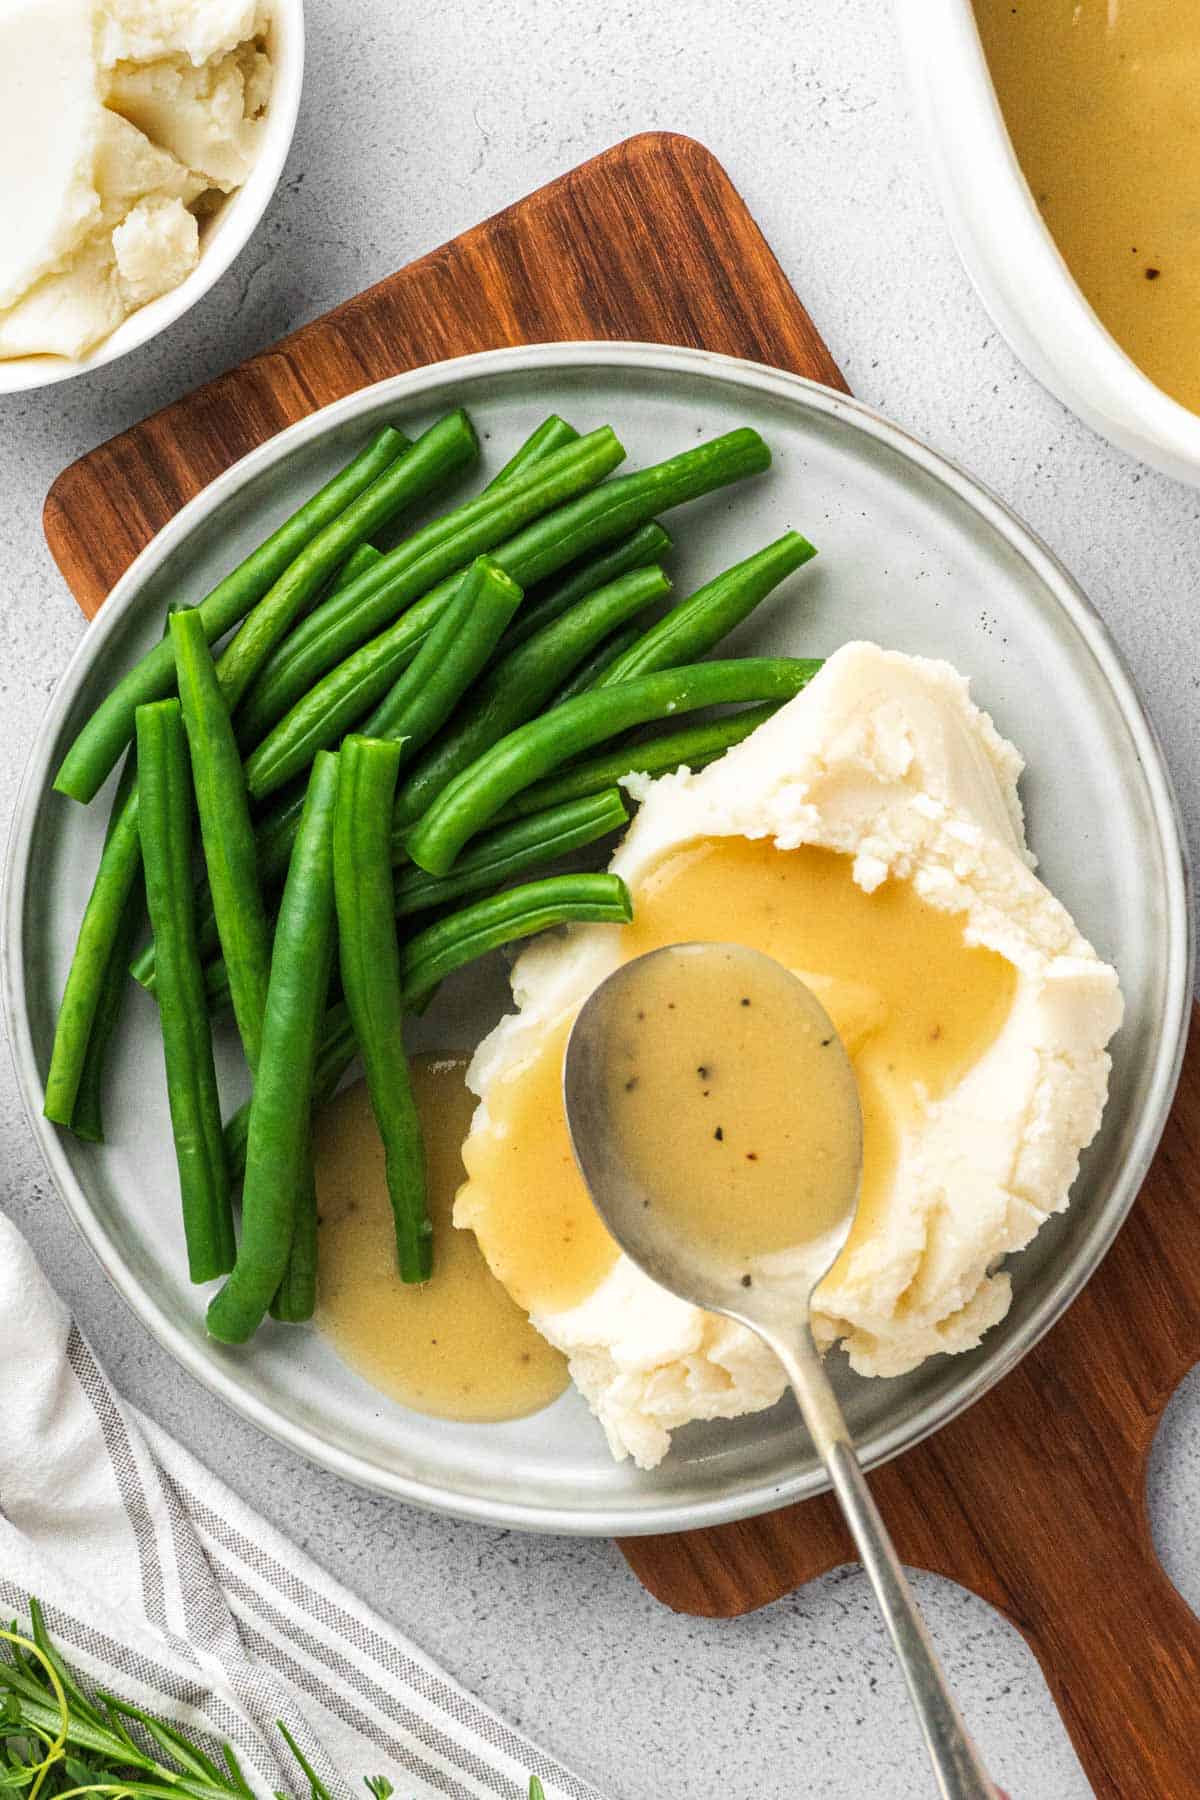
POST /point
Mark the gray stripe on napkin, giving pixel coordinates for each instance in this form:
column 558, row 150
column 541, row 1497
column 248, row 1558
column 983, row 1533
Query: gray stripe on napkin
column 94, row 1386
column 119, row 1659
column 355, row 1680
column 391, row 1662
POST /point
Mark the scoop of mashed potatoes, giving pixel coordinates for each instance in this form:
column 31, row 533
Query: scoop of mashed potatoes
column 886, row 759
column 122, row 122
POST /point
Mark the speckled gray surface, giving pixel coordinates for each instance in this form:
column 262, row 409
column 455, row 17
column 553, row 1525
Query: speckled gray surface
column 417, row 121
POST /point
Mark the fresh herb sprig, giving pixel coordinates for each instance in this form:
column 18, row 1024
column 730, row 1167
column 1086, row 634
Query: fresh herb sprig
column 59, row 1743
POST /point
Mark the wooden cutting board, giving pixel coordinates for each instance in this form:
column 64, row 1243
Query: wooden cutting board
column 1035, row 1498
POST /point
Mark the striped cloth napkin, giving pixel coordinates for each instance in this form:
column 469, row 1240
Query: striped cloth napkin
column 161, row 1585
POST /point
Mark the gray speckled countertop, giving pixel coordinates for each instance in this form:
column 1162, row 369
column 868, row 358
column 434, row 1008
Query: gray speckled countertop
column 418, row 121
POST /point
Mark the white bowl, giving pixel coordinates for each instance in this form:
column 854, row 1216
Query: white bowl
column 1012, row 258
column 223, row 236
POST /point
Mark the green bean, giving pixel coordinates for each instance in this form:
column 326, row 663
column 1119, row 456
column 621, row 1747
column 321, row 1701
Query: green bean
column 295, row 1299
column 448, row 661
column 96, row 749
column 87, row 1117
column 587, row 675
column 165, row 823
column 557, row 651
column 549, row 436
column 276, row 831
column 521, row 683
column 278, row 1145
column 435, row 554
column 691, row 748
column 648, row 544
column 696, row 625
column 497, row 856
column 444, row 946
column 143, row 965
column 535, row 749
column 87, row 1114
column 450, row 944
column 226, row 832
column 274, row 836
column 237, row 1128
column 110, row 898
column 370, row 962
column 446, row 446
column 362, row 558
column 349, row 691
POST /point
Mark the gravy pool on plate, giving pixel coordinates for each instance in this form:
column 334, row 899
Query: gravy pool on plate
column 457, row 1346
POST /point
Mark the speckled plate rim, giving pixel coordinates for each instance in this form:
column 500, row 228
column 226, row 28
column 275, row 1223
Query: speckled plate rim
column 780, row 386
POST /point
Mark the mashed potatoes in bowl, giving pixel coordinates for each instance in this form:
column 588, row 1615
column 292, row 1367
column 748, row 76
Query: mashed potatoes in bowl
column 870, row 835
column 151, row 134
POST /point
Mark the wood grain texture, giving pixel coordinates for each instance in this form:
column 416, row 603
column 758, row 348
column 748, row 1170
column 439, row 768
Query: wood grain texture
column 1035, row 1498
column 649, row 241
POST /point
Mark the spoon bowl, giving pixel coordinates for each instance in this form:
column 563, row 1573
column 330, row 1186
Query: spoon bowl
column 664, row 1167
column 769, row 1284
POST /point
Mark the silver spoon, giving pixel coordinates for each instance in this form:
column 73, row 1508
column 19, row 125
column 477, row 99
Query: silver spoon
column 779, row 1310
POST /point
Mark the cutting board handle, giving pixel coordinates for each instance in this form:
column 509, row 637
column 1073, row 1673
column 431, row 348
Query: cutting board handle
column 1035, row 1499
column 1122, row 1660
column 1061, row 1520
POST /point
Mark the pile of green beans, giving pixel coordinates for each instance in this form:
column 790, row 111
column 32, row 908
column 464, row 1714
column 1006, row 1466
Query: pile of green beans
column 468, row 802
column 97, row 749
column 497, row 857
column 343, row 697
column 355, row 612
column 432, row 743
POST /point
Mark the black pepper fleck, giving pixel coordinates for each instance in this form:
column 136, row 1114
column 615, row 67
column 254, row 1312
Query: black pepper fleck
column 825, row 1043
column 746, row 1281
column 719, row 1135
column 1153, row 274
column 631, row 1084
column 752, row 1156
column 745, row 1002
column 702, row 1071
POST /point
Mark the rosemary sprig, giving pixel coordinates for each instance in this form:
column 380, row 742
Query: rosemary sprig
column 59, row 1743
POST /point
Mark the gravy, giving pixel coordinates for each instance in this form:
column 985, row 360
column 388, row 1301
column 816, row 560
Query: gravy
column 456, row 1347
column 915, row 1006
column 733, row 1106
column 1102, row 102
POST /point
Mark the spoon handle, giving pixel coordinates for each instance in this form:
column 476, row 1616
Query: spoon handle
column 960, row 1774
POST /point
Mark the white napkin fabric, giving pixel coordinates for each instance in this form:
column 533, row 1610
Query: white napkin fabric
column 161, row 1585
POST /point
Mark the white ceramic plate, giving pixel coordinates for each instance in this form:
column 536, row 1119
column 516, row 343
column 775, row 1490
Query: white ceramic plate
column 915, row 555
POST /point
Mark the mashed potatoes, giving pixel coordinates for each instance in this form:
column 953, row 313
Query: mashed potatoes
column 886, row 761
column 121, row 121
